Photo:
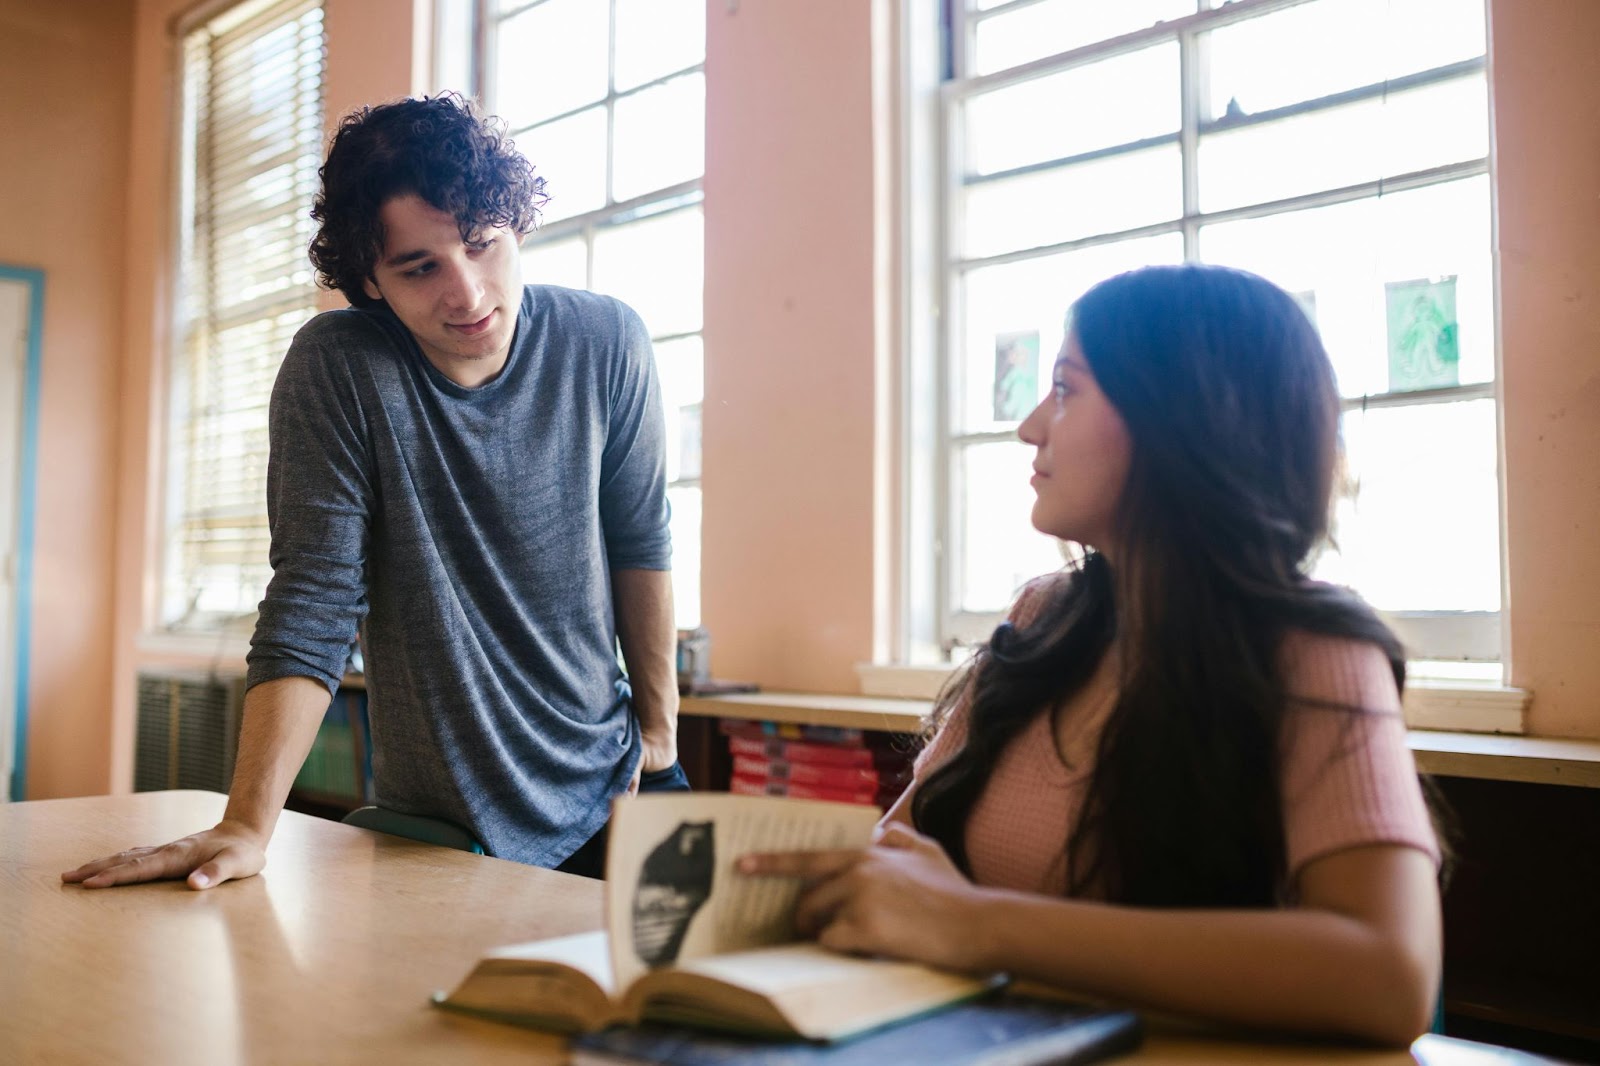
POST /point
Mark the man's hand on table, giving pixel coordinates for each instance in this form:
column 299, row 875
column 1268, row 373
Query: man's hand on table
column 226, row 852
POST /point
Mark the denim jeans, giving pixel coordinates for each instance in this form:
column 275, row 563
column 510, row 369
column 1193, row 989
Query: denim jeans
column 590, row 859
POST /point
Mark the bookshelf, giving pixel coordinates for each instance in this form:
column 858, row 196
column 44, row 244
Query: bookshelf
column 878, row 713
column 336, row 777
column 1487, row 756
column 703, row 750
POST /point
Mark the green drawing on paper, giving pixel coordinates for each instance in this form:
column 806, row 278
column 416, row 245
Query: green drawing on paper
column 1016, row 375
column 1424, row 345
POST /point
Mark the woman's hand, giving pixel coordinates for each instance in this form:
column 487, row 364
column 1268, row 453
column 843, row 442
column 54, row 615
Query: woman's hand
column 902, row 897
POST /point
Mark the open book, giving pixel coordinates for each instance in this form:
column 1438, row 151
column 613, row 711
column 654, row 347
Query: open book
column 691, row 941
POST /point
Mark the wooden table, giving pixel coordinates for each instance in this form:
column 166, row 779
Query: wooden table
column 329, row 956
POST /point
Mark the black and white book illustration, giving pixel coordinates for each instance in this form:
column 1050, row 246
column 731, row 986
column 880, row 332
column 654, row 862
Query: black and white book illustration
column 672, row 893
column 673, row 885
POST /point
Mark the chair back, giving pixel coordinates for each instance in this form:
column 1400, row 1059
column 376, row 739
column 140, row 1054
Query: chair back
column 414, row 827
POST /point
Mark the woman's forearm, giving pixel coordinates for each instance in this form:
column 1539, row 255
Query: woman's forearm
column 1299, row 969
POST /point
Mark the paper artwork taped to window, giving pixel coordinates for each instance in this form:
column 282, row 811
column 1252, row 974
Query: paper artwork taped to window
column 1424, row 345
column 1308, row 303
column 1016, row 375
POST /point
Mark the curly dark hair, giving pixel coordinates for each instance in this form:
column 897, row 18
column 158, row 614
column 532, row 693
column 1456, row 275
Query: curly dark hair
column 441, row 148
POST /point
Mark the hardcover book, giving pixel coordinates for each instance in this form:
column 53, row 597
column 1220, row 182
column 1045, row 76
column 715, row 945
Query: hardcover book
column 874, row 796
column 811, row 734
column 828, row 776
column 803, row 751
column 690, row 941
column 996, row 1031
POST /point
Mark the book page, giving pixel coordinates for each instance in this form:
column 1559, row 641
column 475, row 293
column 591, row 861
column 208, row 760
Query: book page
column 825, row 995
column 787, row 969
column 585, row 952
column 563, row 983
column 672, row 893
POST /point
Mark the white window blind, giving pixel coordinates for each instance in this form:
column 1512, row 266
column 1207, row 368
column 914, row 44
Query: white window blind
column 251, row 145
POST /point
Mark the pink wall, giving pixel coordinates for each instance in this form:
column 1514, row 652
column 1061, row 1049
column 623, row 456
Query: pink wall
column 1547, row 150
column 64, row 76
column 147, row 291
column 790, row 344
column 372, row 47
column 377, row 51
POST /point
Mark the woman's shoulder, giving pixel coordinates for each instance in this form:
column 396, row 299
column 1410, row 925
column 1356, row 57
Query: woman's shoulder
column 1324, row 668
column 1032, row 599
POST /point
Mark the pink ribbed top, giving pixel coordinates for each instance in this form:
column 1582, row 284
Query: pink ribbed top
column 1349, row 779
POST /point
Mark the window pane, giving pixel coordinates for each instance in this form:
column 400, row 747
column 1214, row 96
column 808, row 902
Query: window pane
column 564, row 262
column 1054, row 26
column 1423, row 529
column 658, row 37
column 1003, row 127
column 1032, row 297
column 1361, row 247
column 1101, row 196
column 1000, row 549
column 685, row 504
column 660, row 137
column 1415, row 130
column 453, row 50
column 656, row 266
column 681, row 366
column 551, row 59
column 1336, row 45
column 570, row 154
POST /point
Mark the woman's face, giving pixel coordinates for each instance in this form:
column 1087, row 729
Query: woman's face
column 1083, row 454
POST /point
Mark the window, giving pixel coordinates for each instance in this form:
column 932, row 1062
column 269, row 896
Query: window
column 1084, row 137
column 607, row 99
column 250, row 147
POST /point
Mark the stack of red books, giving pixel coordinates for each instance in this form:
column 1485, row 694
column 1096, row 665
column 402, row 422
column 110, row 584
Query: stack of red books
column 818, row 762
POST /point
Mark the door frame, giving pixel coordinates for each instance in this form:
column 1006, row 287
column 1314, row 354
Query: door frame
column 27, row 456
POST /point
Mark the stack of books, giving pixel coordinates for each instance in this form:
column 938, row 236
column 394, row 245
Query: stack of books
column 818, row 762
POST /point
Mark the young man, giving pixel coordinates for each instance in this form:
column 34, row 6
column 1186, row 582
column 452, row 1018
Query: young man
column 473, row 473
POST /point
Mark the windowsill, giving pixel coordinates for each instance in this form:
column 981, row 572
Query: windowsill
column 1498, row 757
column 221, row 652
column 1430, row 703
column 886, row 714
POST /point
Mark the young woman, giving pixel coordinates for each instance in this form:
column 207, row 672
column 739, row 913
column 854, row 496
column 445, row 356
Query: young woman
column 1177, row 775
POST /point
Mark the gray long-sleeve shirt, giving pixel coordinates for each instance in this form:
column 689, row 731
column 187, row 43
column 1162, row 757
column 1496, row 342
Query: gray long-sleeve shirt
column 471, row 534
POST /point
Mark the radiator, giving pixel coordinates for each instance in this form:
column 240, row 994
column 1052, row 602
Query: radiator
column 188, row 731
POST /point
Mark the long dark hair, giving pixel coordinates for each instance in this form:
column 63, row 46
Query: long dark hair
column 1233, row 416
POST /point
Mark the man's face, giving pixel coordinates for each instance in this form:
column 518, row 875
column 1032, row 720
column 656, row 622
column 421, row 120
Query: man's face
column 458, row 298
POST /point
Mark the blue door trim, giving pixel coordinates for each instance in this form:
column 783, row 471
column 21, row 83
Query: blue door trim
column 26, row 485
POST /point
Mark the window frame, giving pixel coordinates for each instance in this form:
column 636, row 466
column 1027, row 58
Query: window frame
column 1443, row 635
column 682, row 196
